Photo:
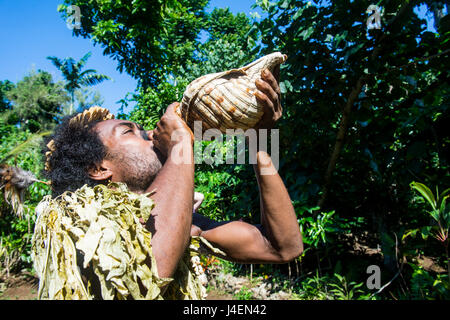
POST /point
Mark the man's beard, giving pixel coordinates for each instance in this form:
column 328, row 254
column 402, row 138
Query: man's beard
column 139, row 170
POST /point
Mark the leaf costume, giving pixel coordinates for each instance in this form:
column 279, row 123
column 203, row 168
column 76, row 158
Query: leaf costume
column 90, row 244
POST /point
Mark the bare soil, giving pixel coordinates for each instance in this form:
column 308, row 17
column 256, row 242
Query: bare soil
column 19, row 288
column 218, row 295
column 26, row 288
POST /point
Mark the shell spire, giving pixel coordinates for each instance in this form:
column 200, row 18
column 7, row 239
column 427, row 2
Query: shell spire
column 226, row 100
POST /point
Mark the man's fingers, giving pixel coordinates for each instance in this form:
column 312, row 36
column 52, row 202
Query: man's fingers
column 172, row 107
column 265, row 88
column 268, row 77
column 268, row 94
column 158, row 127
column 269, row 85
column 266, row 102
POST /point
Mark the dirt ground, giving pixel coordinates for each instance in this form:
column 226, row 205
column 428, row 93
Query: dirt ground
column 217, row 295
column 21, row 288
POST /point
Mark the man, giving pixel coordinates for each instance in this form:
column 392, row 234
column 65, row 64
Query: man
column 113, row 150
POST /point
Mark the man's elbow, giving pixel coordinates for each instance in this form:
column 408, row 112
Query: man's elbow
column 291, row 253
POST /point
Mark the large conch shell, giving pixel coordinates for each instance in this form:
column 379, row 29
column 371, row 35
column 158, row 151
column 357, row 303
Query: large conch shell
column 226, row 100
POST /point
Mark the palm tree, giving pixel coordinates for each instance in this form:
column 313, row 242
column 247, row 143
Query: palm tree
column 75, row 78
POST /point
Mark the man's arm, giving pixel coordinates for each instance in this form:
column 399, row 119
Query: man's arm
column 276, row 240
column 171, row 219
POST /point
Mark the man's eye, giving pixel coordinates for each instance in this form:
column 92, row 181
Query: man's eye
column 127, row 131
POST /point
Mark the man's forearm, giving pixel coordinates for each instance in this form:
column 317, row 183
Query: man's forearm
column 170, row 222
column 278, row 217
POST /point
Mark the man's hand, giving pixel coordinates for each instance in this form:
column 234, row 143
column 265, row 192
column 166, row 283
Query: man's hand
column 171, row 219
column 269, row 96
column 278, row 239
column 170, row 130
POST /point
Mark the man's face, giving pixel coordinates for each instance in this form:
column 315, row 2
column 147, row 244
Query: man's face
column 133, row 157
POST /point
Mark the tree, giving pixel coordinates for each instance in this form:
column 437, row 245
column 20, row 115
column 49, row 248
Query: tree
column 230, row 43
column 22, row 149
column 87, row 98
column 5, row 86
column 75, row 77
column 36, row 101
column 364, row 109
column 147, row 38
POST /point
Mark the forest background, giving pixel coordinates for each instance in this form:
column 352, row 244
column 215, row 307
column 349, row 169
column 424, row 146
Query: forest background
column 364, row 151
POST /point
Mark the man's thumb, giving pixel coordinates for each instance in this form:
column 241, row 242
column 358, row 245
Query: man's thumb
column 173, row 107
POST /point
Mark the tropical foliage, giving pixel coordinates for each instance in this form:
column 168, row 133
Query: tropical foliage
column 363, row 139
column 35, row 102
column 76, row 78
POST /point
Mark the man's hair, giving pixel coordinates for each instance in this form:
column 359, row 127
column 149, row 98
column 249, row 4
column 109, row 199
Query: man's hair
column 76, row 148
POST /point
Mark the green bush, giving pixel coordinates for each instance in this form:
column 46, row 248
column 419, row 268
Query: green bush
column 16, row 233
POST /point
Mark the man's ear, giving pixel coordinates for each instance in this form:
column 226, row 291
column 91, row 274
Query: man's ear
column 102, row 171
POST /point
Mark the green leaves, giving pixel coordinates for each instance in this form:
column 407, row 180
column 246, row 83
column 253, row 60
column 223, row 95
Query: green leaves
column 149, row 39
column 19, row 147
column 71, row 71
column 427, row 286
column 92, row 79
column 75, row 78
column 425, row 192
column 438, row 204
column 333, row 287
column 344, row 290
column 315, row 226
column 439, row 212
column 286, row 87
column 306, row 33
column 36, row 101
column 397, row 126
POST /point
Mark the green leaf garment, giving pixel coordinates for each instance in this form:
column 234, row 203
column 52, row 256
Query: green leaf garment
column 90, row 244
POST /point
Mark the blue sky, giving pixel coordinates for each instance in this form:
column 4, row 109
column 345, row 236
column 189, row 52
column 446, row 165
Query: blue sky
column 31, row 30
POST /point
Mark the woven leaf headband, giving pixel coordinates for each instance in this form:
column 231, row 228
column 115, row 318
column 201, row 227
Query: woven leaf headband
column 94, row 113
